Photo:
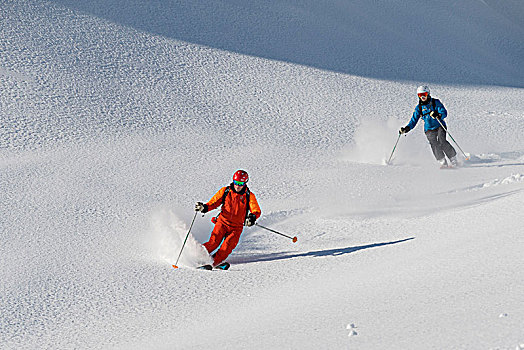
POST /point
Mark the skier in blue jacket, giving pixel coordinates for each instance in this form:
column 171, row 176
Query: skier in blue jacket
column 432, row 111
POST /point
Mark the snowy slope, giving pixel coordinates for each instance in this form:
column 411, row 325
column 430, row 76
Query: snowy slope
column 116, row 119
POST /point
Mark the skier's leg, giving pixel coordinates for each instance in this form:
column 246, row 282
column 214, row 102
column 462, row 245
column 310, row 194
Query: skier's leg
column 445, row 145
column 216, row 238
column 227, row 247
column 432, row 136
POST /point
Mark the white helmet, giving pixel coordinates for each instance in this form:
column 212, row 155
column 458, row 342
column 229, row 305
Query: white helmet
column 422, row 88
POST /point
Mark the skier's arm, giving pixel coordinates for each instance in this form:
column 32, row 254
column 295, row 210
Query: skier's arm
column 414, row 119
column 216, row 200
column 441, row 109
column 253, row 205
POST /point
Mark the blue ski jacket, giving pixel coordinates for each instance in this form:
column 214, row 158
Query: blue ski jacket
column 429, row 123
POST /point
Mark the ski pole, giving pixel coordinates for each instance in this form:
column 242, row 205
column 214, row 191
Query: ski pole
column 185, row 240
column 294, row 239
column 394, row 148
column 443, row 127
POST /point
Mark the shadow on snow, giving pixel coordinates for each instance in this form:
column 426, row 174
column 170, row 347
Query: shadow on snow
column 495, row 160
column 315, row 254
column 383, row 40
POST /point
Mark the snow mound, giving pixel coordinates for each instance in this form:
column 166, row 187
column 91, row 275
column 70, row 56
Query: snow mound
column 508, row 180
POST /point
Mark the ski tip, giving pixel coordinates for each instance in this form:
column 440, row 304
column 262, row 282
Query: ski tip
column 223, row 266
column 295, row 239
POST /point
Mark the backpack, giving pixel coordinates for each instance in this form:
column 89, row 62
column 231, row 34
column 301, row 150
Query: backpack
column 226, row 192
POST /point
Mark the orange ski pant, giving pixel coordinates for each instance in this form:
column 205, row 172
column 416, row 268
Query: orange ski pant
column 230, row 236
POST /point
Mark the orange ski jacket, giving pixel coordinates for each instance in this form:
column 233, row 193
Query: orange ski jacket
column 235, row 207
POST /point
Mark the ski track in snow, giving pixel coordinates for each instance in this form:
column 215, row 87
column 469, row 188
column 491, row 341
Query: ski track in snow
column 116, row 118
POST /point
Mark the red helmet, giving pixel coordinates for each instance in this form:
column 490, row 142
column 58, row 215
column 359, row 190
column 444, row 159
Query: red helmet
column 240, row 176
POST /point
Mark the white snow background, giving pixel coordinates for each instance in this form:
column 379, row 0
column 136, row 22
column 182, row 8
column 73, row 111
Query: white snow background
column 117, row 116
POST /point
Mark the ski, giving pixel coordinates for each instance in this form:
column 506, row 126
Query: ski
column 448, row 167
column 223, row 266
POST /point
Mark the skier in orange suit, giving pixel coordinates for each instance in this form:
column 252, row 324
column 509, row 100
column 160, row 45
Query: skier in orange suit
column 239, row 208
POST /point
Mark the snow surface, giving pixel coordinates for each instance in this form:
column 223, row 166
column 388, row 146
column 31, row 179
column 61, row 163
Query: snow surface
column 117, row 116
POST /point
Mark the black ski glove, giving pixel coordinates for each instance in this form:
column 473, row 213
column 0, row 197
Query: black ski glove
column 404, row 130
column 201, row 207
column 250, row 220
column 435, row 115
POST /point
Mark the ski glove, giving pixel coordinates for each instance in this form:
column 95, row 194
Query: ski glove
column 201, row 207
column 404, row 130
column 435, row 115
column 250, row 220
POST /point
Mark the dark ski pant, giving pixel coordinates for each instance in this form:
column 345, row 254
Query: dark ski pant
column 439, row 144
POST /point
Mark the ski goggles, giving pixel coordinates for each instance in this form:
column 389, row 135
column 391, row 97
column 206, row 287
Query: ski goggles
column 423, row 94
column 239, row 183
